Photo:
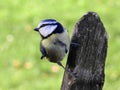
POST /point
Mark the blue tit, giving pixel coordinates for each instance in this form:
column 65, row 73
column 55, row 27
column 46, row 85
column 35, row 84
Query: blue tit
column 55, row 40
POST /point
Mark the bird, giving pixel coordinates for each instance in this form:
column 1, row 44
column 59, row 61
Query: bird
column 55, row 40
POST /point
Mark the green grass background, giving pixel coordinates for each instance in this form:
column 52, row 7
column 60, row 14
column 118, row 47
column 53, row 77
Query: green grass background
column 20, row 64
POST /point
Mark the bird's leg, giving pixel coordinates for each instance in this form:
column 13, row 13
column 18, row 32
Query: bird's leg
column 60, row 64
column 69, row 72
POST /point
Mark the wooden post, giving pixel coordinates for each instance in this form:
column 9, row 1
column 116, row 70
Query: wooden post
column 87, row 60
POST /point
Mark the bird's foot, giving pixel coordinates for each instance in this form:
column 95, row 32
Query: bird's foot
column 72, row 74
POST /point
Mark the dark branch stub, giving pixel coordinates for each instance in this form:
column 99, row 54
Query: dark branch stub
column 87, row 60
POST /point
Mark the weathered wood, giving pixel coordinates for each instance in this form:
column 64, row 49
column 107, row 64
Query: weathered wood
column 87, row 60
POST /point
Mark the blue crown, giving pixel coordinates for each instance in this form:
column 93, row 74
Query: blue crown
column 49, row 20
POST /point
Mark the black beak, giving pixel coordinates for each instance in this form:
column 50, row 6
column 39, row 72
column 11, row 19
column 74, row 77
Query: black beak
column 36, row 29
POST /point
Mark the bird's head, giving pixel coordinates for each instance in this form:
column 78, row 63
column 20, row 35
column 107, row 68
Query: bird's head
column 48, row 27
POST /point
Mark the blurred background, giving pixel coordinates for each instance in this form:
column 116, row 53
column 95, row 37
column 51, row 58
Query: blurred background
column 20, row 64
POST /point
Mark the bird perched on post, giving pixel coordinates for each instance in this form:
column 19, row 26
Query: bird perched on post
column 55, row 40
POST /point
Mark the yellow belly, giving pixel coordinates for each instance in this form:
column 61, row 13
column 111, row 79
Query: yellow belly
column 54, row 51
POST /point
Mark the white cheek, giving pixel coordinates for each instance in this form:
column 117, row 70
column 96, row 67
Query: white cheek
column 47, row 30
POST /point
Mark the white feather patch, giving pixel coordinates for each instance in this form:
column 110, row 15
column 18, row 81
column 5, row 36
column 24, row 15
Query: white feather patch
column 47, row 30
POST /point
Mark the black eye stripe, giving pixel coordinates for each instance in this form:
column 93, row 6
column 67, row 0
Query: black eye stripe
column 43, row 25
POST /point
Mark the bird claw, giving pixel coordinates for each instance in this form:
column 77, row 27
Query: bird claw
column 72, row 74
column 75, row 75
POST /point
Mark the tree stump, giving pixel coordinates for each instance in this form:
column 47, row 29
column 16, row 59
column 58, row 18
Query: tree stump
column 87, row 60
